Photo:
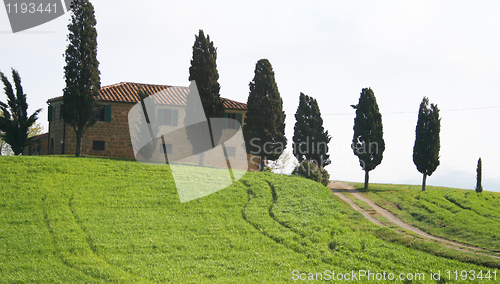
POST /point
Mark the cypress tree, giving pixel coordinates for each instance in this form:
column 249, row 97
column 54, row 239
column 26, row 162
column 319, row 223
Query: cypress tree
column 203, row 70
column 14, row 120
column 479, row 187
column 368, row 142
column 427, row 145
column 81, row 72
column 310, row 140
column 264, row 130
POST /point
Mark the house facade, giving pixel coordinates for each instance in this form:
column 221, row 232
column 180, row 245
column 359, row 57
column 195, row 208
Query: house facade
column 38, row 146
column 110, row 136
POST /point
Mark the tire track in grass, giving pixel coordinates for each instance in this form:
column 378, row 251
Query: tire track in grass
column 73, row 212
column 90, row 240
column 71, row 244
column 257, row 212
column 272, row 215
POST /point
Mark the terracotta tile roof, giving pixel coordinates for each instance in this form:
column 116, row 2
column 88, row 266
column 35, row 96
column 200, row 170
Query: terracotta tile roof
column 127, row 92
column 230, row 104
column 40, row 137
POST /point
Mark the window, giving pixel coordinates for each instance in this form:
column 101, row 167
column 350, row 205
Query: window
column 167, row 117
column 98, row 145
column 104, row 113
column 52, row 113
column 101, row 115
column 231, row 151
column 231, row 123
column 168, row 148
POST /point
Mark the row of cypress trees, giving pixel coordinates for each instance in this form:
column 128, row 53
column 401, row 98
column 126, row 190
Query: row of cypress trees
column 264, row 128
column 368, row 142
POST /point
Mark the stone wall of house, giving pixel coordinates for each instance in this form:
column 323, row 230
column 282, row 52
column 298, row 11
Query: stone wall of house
column 114, row 134
column 37, row 148
column 116, row 137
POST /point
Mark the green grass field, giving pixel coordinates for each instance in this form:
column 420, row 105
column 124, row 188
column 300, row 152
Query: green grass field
column 93, row 220
column 455, row 214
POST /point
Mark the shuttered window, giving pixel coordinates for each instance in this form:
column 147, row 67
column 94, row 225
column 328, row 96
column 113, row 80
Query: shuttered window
column 107, row 113
column 104, row 113
column 167, row 148
column 231, row 123
column 168, row 117
column 52, row 113
column 239, row 117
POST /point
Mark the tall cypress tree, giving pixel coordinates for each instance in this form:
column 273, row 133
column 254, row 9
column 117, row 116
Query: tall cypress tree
column 310, row 140
column 203, row 70
column 368, row 142
column 479, row 170
column 14, row 120
column 81, row 72
column 426, row 148
column 264, row 128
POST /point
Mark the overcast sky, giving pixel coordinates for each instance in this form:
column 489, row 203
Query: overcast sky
column 448, row 51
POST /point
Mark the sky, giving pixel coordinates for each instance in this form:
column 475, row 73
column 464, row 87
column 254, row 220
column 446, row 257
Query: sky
column 448, row 51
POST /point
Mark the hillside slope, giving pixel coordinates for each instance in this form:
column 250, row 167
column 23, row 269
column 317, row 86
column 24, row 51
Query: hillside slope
column 456, row 214
column 81, row 220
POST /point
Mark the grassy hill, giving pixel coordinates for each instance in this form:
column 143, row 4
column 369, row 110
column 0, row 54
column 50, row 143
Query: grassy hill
column 456, row 214
column 82, row 220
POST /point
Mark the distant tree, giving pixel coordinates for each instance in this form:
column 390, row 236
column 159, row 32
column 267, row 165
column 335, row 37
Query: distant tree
column 264, row 128
column 313, row 172
column 81, row 73
column 368, row 142
column 35, row 130
column 203, row 70
column 14, row 121
column 426, row 149
column 310, row 140
column 479, row 187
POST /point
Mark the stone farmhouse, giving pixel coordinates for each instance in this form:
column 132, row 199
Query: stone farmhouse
column 110, row 136
column 39, row 146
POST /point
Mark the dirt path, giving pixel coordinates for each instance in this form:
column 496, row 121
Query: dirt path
column 339, row 187
column 357, row 208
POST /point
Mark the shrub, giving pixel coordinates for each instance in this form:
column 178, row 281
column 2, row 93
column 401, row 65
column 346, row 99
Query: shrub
column 311, row 171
